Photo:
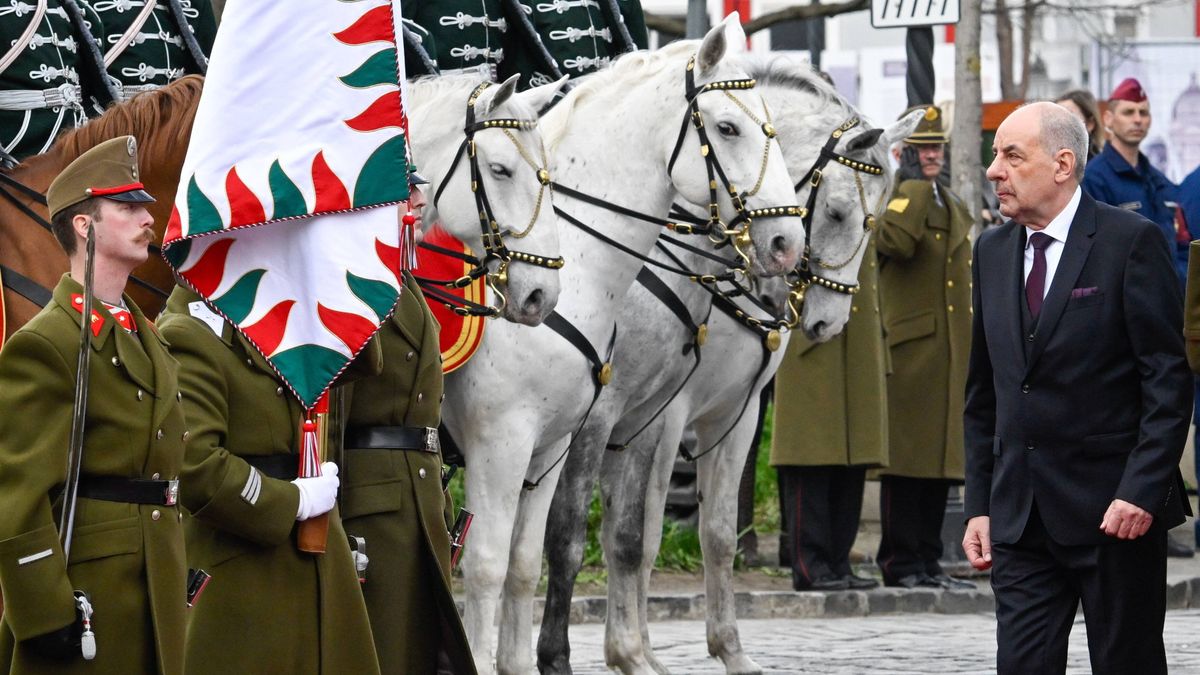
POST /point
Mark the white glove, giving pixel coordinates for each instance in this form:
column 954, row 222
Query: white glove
column 317, row 494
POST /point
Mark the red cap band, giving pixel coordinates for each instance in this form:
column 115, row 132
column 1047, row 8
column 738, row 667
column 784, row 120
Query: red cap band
column 101, row 192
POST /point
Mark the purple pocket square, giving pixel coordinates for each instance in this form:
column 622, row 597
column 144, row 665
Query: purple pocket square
column 1084, row 292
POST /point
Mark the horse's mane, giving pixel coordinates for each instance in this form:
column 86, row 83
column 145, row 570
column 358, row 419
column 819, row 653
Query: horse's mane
column 450, row 92
column 161, row 120
column 627, row 69
column 789, row 73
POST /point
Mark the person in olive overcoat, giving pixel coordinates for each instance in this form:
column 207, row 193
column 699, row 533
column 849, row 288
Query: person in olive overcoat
column 830, row 427
column 127, row 548
column 269, row 608
column 924, row 243
column 392, row 491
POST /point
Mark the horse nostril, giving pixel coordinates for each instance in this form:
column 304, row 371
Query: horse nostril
column 818, row 329
column 779, row 244
column 533, row 303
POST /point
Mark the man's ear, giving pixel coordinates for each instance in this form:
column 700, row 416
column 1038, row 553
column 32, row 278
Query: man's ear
column 1064, row 165
column 80, row 224
column 1106, row 116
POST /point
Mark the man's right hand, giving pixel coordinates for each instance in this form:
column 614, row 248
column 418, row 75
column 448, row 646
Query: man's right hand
column 977, row 542
column 317, row 494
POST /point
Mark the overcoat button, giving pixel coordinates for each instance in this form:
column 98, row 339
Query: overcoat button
column 409, row 356
column 179, row 396
column 116, row 361
column 937, row 236
column 1029, row 445
column 140, row 394
column 1024, row 389
column 420, row 396
column 950, row 283
column 250, row 363
column 179, row 516
column 154, row 476
column 442, row 398
column 949, row 308
column 159, row 434
column 279, row 391
column 155, row 514
column 186, row 435
column 421, row 473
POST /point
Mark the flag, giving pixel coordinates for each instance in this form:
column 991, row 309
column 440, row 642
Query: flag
column 285, row 220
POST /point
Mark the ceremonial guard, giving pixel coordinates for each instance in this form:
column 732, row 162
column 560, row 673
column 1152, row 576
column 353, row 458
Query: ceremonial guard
column 392, row 496
column 51, row 72
column 270, row 607
column 121, row 532
column 822, row 466
column 151, row 43
column 924, row 242
column 469, row 33
column 579, row 37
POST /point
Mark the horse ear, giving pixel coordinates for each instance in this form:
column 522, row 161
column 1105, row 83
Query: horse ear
column 717, row 42
column 494, row 97
column 902, row 128
column 541, row 98
column 864, row 141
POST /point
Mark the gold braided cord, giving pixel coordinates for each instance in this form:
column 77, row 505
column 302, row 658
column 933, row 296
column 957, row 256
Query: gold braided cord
column 537, row 206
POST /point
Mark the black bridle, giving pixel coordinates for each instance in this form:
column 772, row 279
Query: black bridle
column 805, row 275
column 494, row 247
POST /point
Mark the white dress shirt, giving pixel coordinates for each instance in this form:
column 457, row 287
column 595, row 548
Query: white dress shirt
column 1057, row 230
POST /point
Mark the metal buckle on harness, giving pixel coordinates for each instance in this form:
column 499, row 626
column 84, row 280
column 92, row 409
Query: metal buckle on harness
column 171, row 493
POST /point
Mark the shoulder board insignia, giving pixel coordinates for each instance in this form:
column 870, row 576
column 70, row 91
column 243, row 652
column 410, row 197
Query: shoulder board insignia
column 898, row 204
column 209, row 318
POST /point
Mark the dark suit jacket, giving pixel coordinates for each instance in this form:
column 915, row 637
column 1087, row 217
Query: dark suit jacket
column 1100, row 409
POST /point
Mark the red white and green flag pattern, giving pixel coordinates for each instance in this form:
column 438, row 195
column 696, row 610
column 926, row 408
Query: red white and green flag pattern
column 284, row 221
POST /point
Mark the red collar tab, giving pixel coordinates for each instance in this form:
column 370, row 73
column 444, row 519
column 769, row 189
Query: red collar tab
column 122, row 316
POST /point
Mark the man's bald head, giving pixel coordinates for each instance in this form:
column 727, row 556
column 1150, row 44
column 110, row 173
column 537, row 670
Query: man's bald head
column 1040, row 153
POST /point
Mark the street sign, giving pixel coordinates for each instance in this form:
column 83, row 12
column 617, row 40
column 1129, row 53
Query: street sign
column 904, row 13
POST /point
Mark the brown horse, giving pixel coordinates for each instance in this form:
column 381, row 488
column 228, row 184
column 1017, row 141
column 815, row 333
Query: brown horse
column 161, row 120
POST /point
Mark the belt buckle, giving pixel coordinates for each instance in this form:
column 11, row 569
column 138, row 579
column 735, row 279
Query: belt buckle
column 171, row 493
column 432, row 443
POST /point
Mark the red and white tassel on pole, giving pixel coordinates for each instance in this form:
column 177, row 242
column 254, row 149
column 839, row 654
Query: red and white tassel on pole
column 310, row 452
column 408, row 242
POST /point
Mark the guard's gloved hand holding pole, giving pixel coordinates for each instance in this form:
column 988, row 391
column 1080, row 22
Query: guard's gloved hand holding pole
column 66, row 643
column 318, row 494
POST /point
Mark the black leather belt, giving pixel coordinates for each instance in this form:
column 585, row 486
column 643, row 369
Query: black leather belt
column 282, row 467
column 129, row 490
column 420, row 439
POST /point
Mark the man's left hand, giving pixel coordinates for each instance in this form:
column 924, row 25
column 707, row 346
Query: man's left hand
column 1125, row 521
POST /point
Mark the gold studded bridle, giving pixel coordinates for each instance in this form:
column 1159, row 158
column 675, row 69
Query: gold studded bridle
column 494, row 247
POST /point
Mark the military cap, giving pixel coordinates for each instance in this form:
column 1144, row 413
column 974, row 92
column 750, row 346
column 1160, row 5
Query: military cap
column 929, row 130
column 1129, row 90
column 414, row 177
column 109, row 170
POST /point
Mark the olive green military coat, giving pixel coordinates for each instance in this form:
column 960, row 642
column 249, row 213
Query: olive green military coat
column 269, row 607
column 831, row 398
column 128, row 557
column 1191, row 309
column 925, row 296
column 394, row 500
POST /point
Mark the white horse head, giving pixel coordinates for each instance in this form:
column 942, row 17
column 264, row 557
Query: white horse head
column 848, row 193
column 511, row 161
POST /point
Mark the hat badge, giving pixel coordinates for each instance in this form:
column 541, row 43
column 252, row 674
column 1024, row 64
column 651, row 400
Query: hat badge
column 931, row 114
column 131, row 146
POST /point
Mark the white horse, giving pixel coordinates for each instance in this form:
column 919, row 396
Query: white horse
column 519, row 200
column 514, row 406
column 658, row 352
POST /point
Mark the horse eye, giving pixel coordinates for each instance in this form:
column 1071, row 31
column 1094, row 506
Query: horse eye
column 500, row 170
column 727, row 129
column 837, row 215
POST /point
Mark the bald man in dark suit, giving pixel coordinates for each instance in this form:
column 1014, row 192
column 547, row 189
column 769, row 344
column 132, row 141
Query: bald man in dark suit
column 1077, row 409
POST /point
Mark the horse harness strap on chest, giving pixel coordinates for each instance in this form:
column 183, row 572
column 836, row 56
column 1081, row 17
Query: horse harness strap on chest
column 25, row 287
column 668, row 297
column 601, row 376
column 494, row 248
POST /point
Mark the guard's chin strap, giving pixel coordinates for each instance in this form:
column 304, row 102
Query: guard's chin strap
column 494, row 247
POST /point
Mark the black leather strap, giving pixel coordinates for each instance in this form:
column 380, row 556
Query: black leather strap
column 282, row 467
column 25, row 287
column 390, row 438
column 129, row 490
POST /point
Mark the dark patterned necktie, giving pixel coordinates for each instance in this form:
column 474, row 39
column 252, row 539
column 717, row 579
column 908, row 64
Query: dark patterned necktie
column 1035, row 285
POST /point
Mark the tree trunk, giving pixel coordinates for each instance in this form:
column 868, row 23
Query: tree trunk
column 1026, row 46
column 1004, row 43
column 966, row 168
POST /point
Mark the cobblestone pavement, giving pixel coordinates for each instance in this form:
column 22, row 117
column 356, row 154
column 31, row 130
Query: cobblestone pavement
column 899, row 644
